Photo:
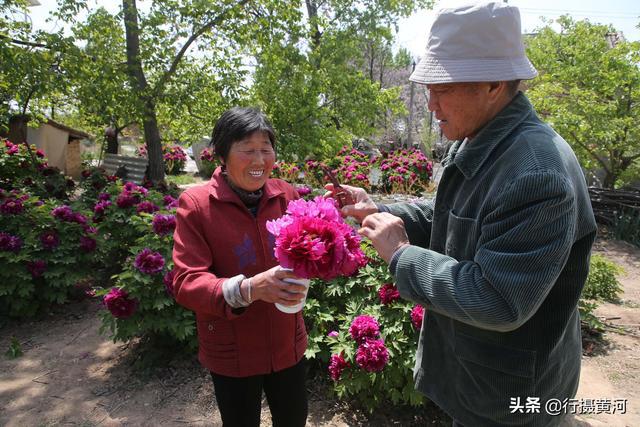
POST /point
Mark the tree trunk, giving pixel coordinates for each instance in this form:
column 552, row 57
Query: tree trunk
column 155, row 172
column 111, row 136
column 312, row 11
column 18, row 128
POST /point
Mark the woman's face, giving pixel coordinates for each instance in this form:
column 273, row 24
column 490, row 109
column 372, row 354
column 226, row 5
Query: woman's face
column 250, row 161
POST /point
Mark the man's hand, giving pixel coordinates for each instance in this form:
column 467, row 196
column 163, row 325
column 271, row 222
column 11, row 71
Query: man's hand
column 386, row 232
column 364, row 205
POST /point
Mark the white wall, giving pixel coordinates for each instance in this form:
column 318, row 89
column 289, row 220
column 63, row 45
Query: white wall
column 52, row 141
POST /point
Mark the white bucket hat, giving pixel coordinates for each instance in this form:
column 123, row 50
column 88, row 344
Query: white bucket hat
column 475, row 43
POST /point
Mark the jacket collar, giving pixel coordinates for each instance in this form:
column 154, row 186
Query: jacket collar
column 478, row 150
column 220, row 190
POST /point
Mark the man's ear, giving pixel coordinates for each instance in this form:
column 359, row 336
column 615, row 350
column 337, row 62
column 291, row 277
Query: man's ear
column 497, row 91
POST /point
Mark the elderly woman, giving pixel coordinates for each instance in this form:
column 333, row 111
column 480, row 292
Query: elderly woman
column 227, row 274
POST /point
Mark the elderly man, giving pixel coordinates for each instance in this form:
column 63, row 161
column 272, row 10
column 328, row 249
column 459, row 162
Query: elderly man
column 500, row 257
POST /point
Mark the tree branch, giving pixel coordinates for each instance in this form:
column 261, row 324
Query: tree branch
column 23, row 42
column 176, row 61
column 591, row 153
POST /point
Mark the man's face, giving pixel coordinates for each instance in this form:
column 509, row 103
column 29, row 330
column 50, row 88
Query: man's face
column 461, row 108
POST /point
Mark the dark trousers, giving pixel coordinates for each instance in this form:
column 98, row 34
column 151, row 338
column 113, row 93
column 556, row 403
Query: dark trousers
column 240, row 399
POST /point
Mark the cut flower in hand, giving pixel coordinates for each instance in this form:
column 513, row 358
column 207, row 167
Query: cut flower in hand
column 313, row 240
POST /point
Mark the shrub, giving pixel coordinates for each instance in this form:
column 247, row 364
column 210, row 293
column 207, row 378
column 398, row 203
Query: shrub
column 289, row 172
column 46, row 248
column 626, row 226
column 173, row 155
column 208, row 163
column 26, row 168
column 361, row 368
column 405, row 171
column 602, row 283
column 141, row 302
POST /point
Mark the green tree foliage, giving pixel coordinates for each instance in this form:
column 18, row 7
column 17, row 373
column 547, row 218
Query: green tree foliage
column 589, row 91
column 31, row 79
column 320, row 81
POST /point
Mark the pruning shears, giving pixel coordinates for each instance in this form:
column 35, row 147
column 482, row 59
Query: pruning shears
column 342, row 196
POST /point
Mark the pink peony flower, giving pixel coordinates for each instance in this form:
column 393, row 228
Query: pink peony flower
column 146, row 206
column 337, row 364
column 333, row 334
column 12, row 207
column 119, row 303
column 163, row 224
column 167, row 280
column 50, row 240
column 126, row 200
column 314, row 241
column 37, row 267
column 372, row 355
column 10, row 243
column 364, row 327
column 416, row 316
column 87, row 244
column 149, row 262
column 303, row 190
column 388, row 293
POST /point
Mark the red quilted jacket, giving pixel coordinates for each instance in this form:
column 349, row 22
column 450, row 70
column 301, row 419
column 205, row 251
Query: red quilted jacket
column 216, row 237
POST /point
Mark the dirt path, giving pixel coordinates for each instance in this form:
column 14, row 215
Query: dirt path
column 71, row 375
column 615, row 374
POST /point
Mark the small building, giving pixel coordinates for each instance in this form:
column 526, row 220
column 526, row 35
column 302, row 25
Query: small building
column 60, row 144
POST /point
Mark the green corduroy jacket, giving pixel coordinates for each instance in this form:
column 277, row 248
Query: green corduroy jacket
column 499, row 259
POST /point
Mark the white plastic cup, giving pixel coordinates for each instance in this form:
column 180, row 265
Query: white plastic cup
column 294, row 308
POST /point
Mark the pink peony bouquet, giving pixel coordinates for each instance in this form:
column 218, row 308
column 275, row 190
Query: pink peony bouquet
column 313, row 240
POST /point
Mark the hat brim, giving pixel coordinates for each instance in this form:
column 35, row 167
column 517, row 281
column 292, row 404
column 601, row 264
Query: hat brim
column 432, row 71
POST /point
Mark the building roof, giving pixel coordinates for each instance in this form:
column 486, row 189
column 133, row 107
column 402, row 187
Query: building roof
column 73, row 133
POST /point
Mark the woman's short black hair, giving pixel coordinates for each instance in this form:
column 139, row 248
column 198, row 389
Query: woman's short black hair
column 237, row 123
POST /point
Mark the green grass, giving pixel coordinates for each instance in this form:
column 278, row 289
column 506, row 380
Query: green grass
column 181, row 179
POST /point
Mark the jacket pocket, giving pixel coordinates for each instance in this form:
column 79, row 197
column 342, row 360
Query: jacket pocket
column 511, row 361
column 217, row 338
column 489, row 375
column 462, row 236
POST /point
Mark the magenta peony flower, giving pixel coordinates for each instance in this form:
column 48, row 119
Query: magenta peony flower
column 163, row 224
column 104, row 196
column 333, row 334
column 62, row 212
column 126, row 200
column 50, row 240
column 168, row 199
column 388, row 293
column 101, row 207
column 10, row 243
column 364, row 327
column 79, row 218
column 146, row 206
column 87, row 243
column 168, row 282
column 12, row 207
column 416, row 316
column 119, row 304
column 314, row 241
column 303, row 190
column 149, row 262
column 37, row 267
column 337, row 364
column 372, row 355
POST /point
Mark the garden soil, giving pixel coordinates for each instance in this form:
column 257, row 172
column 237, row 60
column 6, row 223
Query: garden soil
column 71, row 375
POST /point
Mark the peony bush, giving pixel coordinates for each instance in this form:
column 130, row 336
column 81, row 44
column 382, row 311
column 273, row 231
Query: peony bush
column 362, row 336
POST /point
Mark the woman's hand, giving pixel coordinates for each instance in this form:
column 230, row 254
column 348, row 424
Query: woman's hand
column 363, row 207
column 268, row 286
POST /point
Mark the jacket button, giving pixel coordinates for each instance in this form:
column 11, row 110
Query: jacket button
column 210, row 327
